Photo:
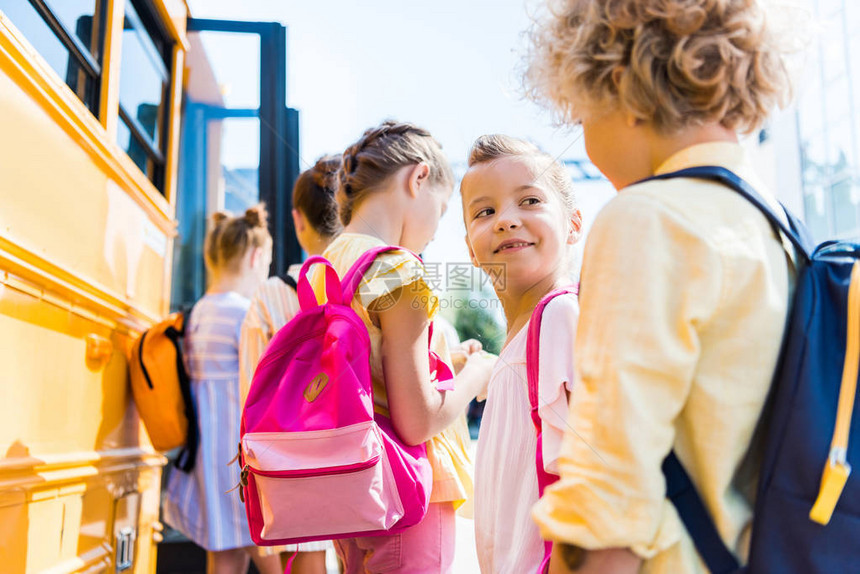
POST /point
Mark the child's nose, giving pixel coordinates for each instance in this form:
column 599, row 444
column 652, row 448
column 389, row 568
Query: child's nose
column 506, row 222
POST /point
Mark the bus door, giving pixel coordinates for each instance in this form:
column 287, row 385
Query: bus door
column 239, row 146
column 239, row 141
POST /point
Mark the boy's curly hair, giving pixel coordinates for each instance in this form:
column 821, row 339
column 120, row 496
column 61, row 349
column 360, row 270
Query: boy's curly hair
column 675, row 63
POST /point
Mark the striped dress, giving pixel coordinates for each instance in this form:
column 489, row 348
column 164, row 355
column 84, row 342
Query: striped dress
column 198, row 504
column 272, row 307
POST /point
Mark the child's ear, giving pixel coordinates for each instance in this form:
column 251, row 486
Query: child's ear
column 298, row 222
column 471, row 252
column 575, row 227
column 256, row 255
column 418, row 176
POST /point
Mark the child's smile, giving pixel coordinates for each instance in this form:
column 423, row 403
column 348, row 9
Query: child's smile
column 513, row 246
column 514, row 219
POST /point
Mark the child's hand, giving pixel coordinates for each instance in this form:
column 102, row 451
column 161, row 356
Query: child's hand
column 461, row 353
column 482, row 364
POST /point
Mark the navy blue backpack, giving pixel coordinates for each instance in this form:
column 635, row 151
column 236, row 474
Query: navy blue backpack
column 807, row 512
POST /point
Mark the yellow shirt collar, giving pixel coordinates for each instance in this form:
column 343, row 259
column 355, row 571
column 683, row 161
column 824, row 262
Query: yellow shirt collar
column 725, row 154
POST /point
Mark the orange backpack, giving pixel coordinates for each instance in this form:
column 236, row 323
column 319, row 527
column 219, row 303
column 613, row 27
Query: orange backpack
column 162, row 389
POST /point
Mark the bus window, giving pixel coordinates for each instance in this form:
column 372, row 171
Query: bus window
column 143, row 89
column 69, row 35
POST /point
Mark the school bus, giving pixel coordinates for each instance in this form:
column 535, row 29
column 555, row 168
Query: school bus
column 118, row 135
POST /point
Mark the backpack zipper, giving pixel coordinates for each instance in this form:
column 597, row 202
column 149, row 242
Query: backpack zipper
column 837, row 468
column 140, row 359
column 318, row 472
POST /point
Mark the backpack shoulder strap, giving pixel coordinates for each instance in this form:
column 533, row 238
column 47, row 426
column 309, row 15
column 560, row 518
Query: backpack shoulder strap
column 288, row 279
column 682, row 492
column 354, row 276
column 794, row 230
column 188, row 455
column 533, row 370
column 307, row 298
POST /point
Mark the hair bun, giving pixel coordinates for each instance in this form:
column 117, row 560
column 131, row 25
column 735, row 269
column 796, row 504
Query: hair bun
column 324, row 172
column 220, row 217
column 257, row 215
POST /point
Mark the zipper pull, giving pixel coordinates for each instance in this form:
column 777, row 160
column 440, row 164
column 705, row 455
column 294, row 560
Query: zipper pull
column 238, row 454
column 243, row 483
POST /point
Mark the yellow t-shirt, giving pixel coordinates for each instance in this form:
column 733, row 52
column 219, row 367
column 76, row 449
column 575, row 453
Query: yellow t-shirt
column 448, row 451
column 684, row 297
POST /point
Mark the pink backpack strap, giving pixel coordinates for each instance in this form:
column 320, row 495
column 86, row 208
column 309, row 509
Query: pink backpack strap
column 333, row 290
column 354, row 276
column 443, row 375
column 533, row 369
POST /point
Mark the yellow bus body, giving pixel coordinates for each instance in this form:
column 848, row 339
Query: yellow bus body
column 85, row 265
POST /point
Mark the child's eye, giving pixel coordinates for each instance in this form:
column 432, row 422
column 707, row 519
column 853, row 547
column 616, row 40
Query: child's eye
column 530, row 201
column 484, row 212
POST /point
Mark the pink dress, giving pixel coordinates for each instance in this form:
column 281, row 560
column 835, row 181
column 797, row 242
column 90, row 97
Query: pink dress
column 506, row 484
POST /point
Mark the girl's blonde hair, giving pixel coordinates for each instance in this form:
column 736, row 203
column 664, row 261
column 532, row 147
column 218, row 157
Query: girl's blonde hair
column 229, row 237
column 675, row 63
column 489, row 148
column 381, row 152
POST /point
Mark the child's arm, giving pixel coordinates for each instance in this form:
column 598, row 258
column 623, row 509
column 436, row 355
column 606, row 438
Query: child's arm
column 253, row 339
column 567, row 559
column 637, row 352
column 418, row 410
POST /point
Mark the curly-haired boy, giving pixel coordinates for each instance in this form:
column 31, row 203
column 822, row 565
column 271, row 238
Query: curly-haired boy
column 685, row 285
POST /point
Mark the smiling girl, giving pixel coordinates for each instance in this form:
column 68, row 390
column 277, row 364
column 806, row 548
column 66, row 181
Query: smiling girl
column 521, row 221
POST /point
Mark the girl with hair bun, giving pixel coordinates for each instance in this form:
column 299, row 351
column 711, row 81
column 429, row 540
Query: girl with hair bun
column 316, row 222
column 684, row 286
column 238, row 252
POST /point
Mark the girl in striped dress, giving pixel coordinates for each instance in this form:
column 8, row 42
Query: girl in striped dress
column 316, row 223
column 238, row 253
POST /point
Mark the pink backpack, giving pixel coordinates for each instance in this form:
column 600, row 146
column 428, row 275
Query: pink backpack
column 533, row 368
column 317, row 463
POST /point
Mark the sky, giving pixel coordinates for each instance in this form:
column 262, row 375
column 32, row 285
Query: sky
column 451, row 66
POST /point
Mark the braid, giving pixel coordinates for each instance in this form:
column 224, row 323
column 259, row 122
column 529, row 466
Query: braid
column 379, row 153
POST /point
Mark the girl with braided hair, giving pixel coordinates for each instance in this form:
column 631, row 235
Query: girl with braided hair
column 393, row 188
column 276, row 302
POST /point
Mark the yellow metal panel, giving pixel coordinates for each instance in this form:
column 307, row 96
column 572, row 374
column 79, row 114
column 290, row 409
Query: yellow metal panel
column 148, row 522
column 44, row 517
column 73, row 211
column 72, row 528
column 174, row 14
column 175, row 107
column 14, row 532
column 72, row 511
column 68, row 403
column 109, row 103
